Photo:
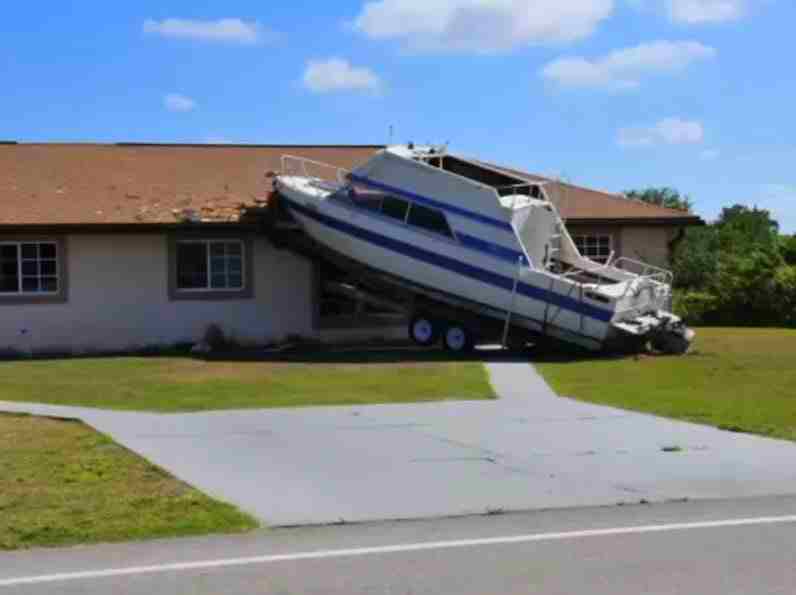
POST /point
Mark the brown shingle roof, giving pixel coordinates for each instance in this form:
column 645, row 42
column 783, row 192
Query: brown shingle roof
column 77, row 184
column 128, row 184
column 579, row 204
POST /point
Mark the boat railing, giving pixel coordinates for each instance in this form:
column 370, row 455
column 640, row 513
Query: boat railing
column 647, row 271
column 646, row 277
column 309, row 168
column 590, row 270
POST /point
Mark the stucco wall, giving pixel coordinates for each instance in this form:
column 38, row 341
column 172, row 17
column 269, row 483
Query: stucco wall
column 118, row 299
column 648, row 244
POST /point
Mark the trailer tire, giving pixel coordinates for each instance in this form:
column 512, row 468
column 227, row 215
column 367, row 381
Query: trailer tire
column 423, row 330
column 457, row 339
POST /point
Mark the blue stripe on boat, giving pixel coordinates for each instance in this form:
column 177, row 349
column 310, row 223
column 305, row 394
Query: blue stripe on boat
column 504, row 225
column 489, row 248
column 456, row 266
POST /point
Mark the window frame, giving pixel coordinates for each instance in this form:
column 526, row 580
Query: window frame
column 210, row 293
column 343, row 199
column 37, row 297
column 449, row 236
column 598, row 236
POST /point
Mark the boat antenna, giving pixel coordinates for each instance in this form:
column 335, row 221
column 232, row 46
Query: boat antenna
column 390, row 133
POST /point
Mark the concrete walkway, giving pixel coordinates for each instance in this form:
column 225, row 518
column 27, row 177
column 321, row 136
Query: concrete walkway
column 528, row 450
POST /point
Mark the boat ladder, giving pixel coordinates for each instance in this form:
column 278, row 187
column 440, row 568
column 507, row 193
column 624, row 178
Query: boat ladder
column 555, row 244
column 507, row 323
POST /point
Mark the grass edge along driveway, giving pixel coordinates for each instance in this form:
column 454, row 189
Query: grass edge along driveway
column 738, row 379
column 62, row 483
column 181, row 383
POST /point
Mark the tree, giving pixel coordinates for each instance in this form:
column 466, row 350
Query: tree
column 787, row 247
column 743, row 229
column 694, row 261
column 663, row 197
column 737, row 271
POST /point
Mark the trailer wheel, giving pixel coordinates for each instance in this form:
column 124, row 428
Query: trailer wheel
column 457, row 339
column 423, row 330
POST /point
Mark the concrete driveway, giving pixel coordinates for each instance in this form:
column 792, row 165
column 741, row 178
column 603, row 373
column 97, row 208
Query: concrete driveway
column 530, row 449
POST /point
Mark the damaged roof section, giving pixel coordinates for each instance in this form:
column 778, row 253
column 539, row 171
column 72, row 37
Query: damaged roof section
column 73, row 184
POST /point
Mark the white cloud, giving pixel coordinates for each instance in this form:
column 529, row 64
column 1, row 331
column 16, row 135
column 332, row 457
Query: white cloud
column 694, row 12
column 337, row 74
column 222, row 30
column 174, row 102
column 710, row 154
column 624, row 68
column 480, row 25
column 670, row 131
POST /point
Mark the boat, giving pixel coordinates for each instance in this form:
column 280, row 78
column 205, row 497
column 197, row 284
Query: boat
column 489, row 248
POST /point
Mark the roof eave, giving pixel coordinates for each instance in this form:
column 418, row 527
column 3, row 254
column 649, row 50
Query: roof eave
column 673, row 221
column 88, row 228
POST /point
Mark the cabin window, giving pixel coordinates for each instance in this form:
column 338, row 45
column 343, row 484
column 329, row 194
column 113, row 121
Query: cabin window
column 394, row 208
column 429, row 219
column 210, row 265
column 594, row 247
column 29, row 268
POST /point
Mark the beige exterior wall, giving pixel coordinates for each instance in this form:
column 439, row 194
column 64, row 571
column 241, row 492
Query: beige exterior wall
column 646, row 243
column 118, row 299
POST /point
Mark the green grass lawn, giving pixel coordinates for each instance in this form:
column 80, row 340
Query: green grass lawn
column 737, row 379
column 171, row 384
column 61, row 483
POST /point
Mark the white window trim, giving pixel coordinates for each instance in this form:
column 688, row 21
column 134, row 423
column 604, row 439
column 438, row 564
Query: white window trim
column 20, row 292
column 583, row 237
column 209, row 288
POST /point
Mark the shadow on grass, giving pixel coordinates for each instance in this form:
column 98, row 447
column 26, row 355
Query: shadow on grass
column 382, row 353
column 397, row 354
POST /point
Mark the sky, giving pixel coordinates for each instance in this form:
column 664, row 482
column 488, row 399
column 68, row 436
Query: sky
column 698, row 95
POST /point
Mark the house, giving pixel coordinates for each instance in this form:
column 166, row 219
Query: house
column 119, row 247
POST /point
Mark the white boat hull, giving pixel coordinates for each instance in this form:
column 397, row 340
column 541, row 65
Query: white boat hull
column 443, row 265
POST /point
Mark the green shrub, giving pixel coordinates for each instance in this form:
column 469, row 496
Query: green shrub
column 694, row 306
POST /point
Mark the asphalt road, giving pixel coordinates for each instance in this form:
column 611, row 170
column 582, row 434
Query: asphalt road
column 705, row 548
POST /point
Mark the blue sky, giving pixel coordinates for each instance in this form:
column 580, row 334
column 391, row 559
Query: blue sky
column 613, row 94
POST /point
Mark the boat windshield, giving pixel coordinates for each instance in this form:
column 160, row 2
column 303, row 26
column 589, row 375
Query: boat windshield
column 504, row 183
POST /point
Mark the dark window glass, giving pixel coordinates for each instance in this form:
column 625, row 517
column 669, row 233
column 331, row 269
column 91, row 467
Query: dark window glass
column 218, row 281
column 35, row 262
column 429, row 219
column 48, row 267
column 226, row 265
column 30, row 284
column 394, row 207
column 9, row 269
column 47, row 251
column 191, row 266
column 30, row 267
column 235, row 281
column 597, row 248
column 30, row 251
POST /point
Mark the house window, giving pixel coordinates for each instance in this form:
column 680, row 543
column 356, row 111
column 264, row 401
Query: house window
column 594, row 247
column 429, row 219
column 29, row 268
column 210, row 265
